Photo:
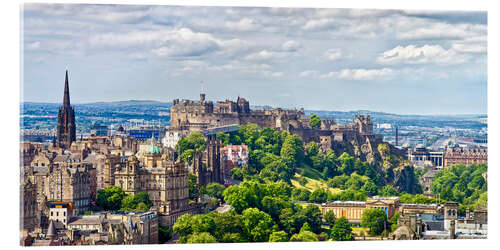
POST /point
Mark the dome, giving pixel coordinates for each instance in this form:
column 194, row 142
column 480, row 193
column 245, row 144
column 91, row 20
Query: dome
column 153, row 149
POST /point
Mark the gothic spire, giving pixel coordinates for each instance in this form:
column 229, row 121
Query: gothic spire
column 66, row 92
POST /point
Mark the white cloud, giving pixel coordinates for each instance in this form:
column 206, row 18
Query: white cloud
column 308, row 73
column 359, row 74
column 291, row 46
column 245, row 24
column 333, row 54
column 33, row 45
column 263, row 55
column 427, row 54
column 319, row 24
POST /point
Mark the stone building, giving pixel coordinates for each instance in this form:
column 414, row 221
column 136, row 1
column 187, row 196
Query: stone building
column 353, row 210
column 160, row 175
column 63, row 178
column 422, row 157
column 208, row 165
column 409, row 227
column 234, row 156
column 199, row 116
column 28, row 206
column 464, row 156
column 66, row 128
column 388, row 204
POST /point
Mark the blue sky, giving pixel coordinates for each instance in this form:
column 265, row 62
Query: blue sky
column 407, row 62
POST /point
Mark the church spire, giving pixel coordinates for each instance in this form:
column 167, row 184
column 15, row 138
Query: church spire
column 66, row 102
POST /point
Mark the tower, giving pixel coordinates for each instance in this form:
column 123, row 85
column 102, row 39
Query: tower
column 66, row 128
column 397, row 136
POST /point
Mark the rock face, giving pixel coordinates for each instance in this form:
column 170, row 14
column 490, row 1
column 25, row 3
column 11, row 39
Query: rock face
column 405, row 180
column 387, row 160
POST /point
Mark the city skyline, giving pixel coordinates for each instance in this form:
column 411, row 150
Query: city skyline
column 319, row 59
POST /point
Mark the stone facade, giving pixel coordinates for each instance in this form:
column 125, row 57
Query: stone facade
column 63, row 178
column 199, row 116
column 164, row 179
column 353, row 210
column 208, row 165
column 28, row 206
column 464, row 156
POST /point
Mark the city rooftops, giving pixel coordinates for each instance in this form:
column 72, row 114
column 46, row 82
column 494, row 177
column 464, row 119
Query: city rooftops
column 86, row 220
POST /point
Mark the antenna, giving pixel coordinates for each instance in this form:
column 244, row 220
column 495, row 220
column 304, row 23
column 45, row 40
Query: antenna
column 202, row 87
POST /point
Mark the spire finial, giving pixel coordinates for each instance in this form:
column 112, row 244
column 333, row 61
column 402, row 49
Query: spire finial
column 66, row 102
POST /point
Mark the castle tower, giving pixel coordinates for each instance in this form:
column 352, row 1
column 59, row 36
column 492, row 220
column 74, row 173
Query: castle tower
column 66, row 128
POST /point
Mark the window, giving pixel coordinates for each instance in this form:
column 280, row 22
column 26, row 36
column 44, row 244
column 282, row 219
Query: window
column 51, row 213
column 64, row 213
column 57, row 213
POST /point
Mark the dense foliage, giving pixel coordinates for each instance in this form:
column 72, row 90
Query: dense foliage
column 341, row 230
column 110, row 198
column 315, row 121
column 137, row 202
column 164, row 234
column 375, row 219
column 264, row 205
column 187, row 145
column 462, row 184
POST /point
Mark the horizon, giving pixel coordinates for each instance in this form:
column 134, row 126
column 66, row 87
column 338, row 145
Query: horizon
column 262, row 105
column 398, row 61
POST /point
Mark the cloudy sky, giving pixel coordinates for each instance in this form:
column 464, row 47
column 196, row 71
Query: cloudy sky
column 406, row 62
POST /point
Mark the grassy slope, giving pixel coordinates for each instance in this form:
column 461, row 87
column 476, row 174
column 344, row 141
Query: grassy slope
column 313, row 178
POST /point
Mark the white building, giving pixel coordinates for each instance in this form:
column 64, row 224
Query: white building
column 171, row 138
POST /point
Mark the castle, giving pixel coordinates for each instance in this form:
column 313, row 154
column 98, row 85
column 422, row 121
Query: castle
column 189, row 116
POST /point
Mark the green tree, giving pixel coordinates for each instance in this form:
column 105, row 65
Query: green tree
column 346, row 164
column 341, row 230
column 232, row 238
column 194, row 188
column 164, row 234
column 195, row 141
column 142, row 207
column 312, row 149
column 375, row 219
column 132, row 202
column 224, row 138
column 307, row 236
column 300, row 194
column 202, row 223
column 227, row 223
column 215, row 190
column 329, row 218
column 370, row 188
column 394, row 221
column 258, row 224
column 273, row 206
column 203, row 237
column 315, row 121
column 292, row 152
column 279, row 236
column 319, row 195
column 338, row 181
column 241, row 197
column 110, row 198
column 388, row 191
column 183, row 225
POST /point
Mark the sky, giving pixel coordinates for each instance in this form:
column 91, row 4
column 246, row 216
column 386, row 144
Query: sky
column 396, row 61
